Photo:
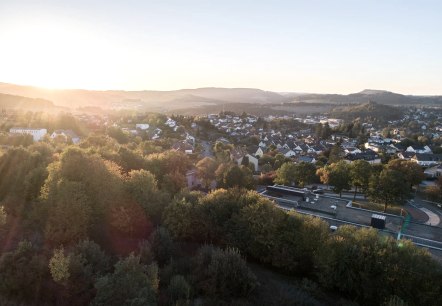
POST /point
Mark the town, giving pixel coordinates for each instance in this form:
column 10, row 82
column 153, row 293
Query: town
column 355, row 169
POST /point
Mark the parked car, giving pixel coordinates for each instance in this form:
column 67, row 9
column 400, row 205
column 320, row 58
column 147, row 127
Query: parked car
column 318, row 191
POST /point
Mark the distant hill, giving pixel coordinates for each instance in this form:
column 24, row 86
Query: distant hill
column 24, row 103
column 379, row 96
column 158, row 100
column 371, row 111
column 203, row 97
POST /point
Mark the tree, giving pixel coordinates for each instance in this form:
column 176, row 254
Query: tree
column 162, row 245
column 412, row 172
column 69, row 214
column 390, row 187
column 179, row 289
column 360, row 172
column 206, row 168
column 231, row 175
column 335, row 154
column 351, row 258
column 127, row 285
column 286, row 174
column 337, row 175
column 59, row 266
column 223, row 273
column 3, row 216
column 305, row 173
column 118, row 135
column 23, row 273
column 266, row 168
column 141, row 185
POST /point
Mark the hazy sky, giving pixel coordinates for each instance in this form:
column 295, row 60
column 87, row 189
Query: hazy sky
column 336, row 46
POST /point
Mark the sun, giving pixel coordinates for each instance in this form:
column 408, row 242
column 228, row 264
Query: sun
column 57, row 56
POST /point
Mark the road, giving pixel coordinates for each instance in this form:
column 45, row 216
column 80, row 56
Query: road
column 206, row 149
column 421, row 234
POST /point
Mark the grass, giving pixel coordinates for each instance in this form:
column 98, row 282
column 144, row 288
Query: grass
column 394, row 210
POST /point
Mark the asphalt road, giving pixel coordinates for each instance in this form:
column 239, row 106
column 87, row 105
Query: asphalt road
column 206, row 149
column 419, row 233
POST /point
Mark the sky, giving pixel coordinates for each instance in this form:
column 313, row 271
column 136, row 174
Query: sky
column 334, row 46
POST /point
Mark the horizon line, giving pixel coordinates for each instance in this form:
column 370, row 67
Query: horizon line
column 217, row 87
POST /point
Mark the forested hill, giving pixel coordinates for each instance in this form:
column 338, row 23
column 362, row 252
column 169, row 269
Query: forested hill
column 370, row 111
column 210, row 97
column 19, row 102
column 380, row 96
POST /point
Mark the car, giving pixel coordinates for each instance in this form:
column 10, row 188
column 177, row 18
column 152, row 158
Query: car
column 318, row 191
column 333, row 228
column 333, row 207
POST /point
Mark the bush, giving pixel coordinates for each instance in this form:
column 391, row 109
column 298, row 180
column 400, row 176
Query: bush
column 179, row 289
column 223, row 273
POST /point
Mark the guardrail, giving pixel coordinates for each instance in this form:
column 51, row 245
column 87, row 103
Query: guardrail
column 428, row 243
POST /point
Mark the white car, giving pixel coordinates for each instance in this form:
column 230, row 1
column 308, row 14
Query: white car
column 333, row 228
column 333, row 207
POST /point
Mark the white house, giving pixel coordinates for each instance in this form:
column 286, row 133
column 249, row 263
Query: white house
column 238, row 154
column 287, row 152
column 190, row 138
column 183, row 146
column 433, row 172
column 170, row 123
column 66, row 134
column 419, row 149
column 37, row 134
column 427, row 160
column 352, row 150
column 142, row 126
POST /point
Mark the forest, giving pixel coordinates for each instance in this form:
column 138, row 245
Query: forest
column 109, row 224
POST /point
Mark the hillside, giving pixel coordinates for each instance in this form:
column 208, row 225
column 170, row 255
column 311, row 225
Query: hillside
column 24, row 103
column 211, row 97
column 160, row 100
column 371, row 111
column 380, row 96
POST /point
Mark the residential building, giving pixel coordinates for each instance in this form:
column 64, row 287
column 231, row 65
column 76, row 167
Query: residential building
column 37, row 134
column 238, row 154
column 427, row 160
column 67, row 135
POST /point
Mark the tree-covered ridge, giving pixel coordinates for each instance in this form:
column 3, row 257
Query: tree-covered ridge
column 368, row 112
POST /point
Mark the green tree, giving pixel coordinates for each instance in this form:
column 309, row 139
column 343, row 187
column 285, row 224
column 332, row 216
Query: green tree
column 3, row 216
column 162, row 245
column 127, row 285
column 23, row 273
column 337, row 175
column 69, row 214
column 412, row 172
column 178, row 290
column 223, row 273
column 206, row 168
column 59, row 266
column 360, row 172
column 231, row 175
column 286, row 174
column 335, row 154
column 390, row 187
column 141, row 185
column 305, row 173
